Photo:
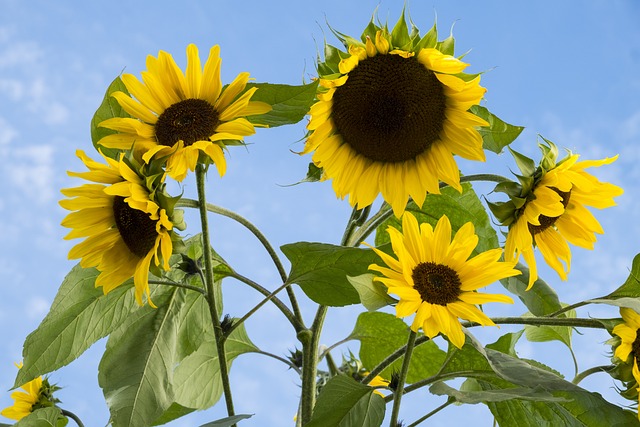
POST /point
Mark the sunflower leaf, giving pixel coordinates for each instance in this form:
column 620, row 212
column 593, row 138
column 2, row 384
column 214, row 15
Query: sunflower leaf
column 373, row 294
column 381, row 334
column 108, row 109
column 321, row 270
column 79, row 316
column 289, row 103
column 498, row 134
column 551, row 333
column 500, row 395
column 227, row 421
column 347, row 403
column 44, row 417
column 541, row 299
column 631, row 286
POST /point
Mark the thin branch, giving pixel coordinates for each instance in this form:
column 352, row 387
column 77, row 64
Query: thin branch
column 71, row 415
column 281, row 359
column 179, row 285
column 432, row 413
column 584, row 374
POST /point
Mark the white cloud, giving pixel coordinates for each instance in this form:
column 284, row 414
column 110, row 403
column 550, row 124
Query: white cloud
column 37, row 308
column 31, row 172
column 7, row 132
column 19, row 54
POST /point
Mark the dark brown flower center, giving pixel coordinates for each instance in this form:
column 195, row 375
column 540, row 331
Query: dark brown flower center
column 547, row 221
column 635, row 347
column 390, row 109
column 190, row 120
column 436, row 283
column 137, row 229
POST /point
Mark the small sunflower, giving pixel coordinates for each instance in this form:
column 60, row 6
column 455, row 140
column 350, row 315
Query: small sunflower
column 630, row 345
column 179, row 116
column 389, row 118
column 123, row 226
column 554, row 212
column 38, row 393
column 436, row 280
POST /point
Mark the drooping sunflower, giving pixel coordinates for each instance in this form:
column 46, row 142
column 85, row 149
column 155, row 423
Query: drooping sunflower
column 436, row 280
column 181, row 116
column 124, row 228
column 630, row 345
column 38, row 393
column 554, row 212
column 390, row 115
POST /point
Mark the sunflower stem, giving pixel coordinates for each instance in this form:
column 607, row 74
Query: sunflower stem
column 432, row 413
column 399, row 390
column 270, row 296
column 71, row 415
column 569, row 308
column 209, row 283
column 310, row 343
column 584, row 374
column 543, row 321
column 484, row 177
column 390, row 359
column 188, row 203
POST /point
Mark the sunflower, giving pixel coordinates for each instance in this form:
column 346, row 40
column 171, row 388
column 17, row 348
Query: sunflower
column 389, row 120
column 434, row 278
column 37, row 394
column 123, row 226
column 630, row 345
column 179, row 116
column 555, row 213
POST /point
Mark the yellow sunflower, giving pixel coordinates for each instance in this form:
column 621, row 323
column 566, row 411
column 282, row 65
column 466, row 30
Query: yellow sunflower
column 25, row 402
column 389, row 121
column 179, row 116
column 557, row 214
column 436, row 280
column 630, row 345
column 124, row 228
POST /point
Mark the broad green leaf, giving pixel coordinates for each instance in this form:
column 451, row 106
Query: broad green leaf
column 552, row 333
column 498, row 134
column 483, row 396
column 79, row 316
column 631, row 286
column 108, row 109
column 633, row 303
column 289, row 103
column 460, row 208
column 507, row 343
column 197, row 381
column 174, row 412
column 541, row 299
column 136, row 370
column 227, row 421
column 321, row 270
column 381, row 334
column 344, row 402
column 373, row 294
column 45, row 417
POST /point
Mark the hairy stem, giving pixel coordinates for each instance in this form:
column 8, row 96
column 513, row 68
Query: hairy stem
column 584, row 374
column 71, row 415
column 399, row 390
column 209, row 283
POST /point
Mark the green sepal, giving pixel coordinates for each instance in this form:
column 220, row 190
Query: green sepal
column 526, row 165
column 370, row 30
column 400, row 34
column 109, row 108
column 503, row 211
column 429, row 40
column 498, row 134
column 447, row 45
column 549, row 155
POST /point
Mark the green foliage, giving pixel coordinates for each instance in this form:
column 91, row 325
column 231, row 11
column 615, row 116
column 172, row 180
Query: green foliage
column 79, row 316
column 373, row 294
column 460, row 208
column 45, row 417
column 289, row 103
column 498, row 134
column 321, row 270
column 381, row 334
column 631, row 286
column 485, row 396
column 108, row 109
column 227, row 421
column 541, row 299
column 551, row 333
column 344, row 402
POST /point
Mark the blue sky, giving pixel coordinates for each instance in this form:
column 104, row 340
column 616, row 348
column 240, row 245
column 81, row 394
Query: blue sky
column 565, row 70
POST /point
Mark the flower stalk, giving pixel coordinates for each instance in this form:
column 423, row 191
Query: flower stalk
column 399, row 390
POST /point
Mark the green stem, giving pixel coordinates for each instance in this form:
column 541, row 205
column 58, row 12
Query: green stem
column 258, row 234
column 333, row 368
column 543, row 321
column 278, row 303
column 483, row 177
column 267, row 298
column 584, row 374
column 390, row 359
column 71, row 415
column 432, row 413
column 310, row 343
column 399, row 390
column 281, row 359
column 568, row 308
column 209, row 283
column 178, row 285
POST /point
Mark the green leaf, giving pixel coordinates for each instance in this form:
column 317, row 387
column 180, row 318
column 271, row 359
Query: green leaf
column 321, row 270
column 541, row 299
column 45, row 417
column 289, row 103
column 136, row 370
column 196, row 380
column 473, row 397
column 552, row 333
column 79, row 316
column 174, row 412
column 631, row 286
column 460, row 208
column 498, row 134
column 227, row 421
column 381, row 334
column 373, row 294
column 344, row 402
column 108, row 109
